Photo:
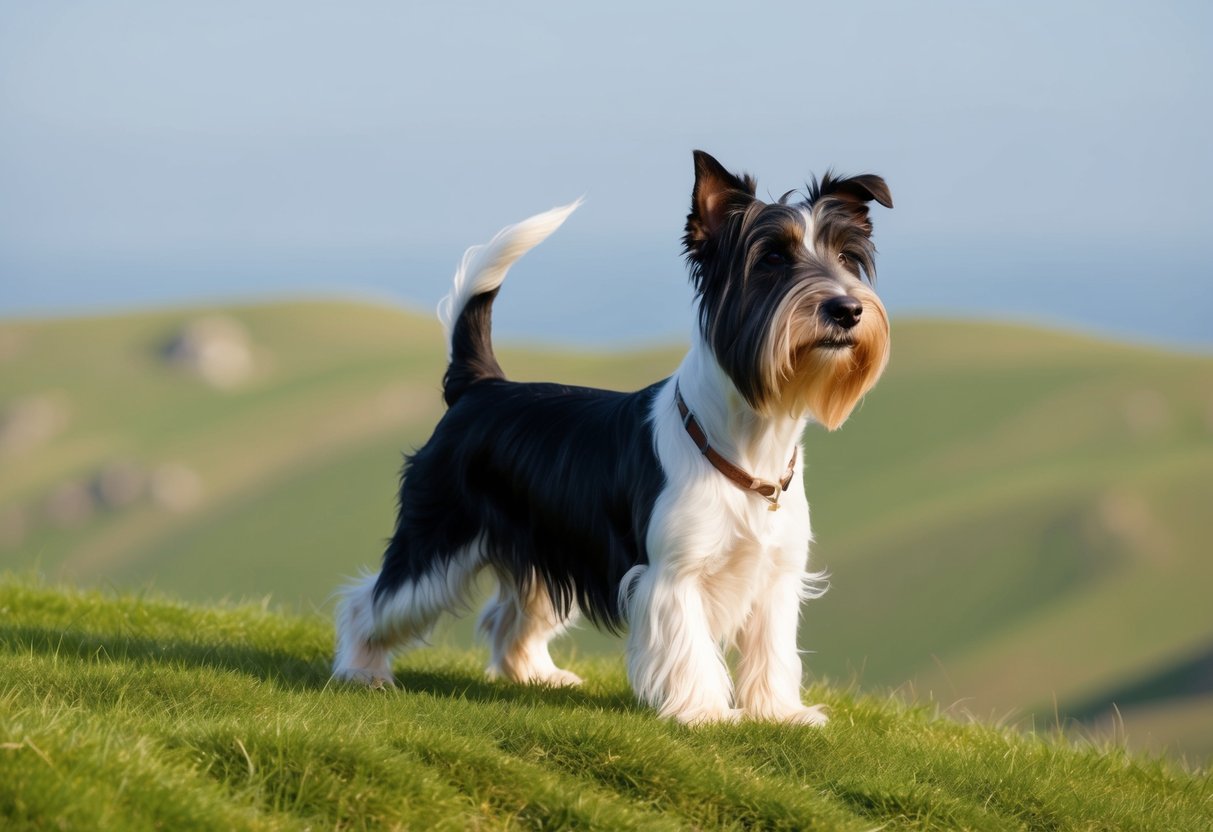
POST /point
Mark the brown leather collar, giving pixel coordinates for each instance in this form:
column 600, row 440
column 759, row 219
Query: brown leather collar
column 766, row 489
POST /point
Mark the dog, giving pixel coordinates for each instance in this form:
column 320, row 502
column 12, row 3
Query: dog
column 677, row 511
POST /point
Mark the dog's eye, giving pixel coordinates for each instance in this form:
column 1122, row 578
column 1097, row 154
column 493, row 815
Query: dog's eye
column 774, row 258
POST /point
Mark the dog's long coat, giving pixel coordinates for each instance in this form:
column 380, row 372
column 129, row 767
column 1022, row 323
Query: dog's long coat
column 589, row 500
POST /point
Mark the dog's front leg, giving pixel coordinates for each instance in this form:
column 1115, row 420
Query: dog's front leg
column 769, row 672
column 675, row 663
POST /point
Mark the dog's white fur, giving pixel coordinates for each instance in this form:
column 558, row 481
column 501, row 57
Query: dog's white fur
column 724, row 570
column 483, row 268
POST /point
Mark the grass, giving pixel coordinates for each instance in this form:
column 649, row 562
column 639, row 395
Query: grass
column 134, row 711
column 1014, row 518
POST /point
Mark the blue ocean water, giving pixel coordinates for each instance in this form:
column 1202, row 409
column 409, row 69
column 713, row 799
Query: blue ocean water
column 567, row 293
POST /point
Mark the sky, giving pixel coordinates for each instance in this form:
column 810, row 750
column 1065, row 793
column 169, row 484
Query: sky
column 1049, row 162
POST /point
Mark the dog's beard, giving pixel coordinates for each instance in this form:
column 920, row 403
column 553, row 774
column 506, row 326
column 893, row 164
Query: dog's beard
column 815, row 366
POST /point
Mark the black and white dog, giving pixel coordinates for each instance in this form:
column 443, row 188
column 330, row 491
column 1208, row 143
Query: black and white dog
column 656, row 509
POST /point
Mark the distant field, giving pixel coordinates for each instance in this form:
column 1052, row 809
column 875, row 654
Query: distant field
column 1017, row 521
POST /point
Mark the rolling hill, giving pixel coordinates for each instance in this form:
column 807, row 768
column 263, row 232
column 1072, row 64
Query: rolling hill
column 1016, row 521
column 135, row 712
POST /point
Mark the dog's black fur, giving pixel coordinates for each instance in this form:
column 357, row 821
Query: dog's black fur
column 558, row 483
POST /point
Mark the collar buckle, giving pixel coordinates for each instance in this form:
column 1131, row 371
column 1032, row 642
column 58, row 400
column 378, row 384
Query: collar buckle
column 766, row 489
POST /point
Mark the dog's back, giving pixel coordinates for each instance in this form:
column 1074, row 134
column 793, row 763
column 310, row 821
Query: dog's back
column 550, row 486
column 544, row 480
column 516, row 470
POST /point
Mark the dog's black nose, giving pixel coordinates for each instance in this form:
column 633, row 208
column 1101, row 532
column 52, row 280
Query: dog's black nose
column 843, row 310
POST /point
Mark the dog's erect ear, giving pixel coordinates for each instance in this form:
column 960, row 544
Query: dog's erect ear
column 716, row 192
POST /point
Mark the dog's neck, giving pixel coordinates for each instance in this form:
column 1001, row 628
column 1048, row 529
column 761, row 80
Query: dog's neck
column 759, row 443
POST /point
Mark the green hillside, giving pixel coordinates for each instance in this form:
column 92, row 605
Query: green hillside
column 1016, row 520
column 1029, row 513
column 139, row 713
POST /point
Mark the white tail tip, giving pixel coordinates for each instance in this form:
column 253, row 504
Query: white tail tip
column 484, row 267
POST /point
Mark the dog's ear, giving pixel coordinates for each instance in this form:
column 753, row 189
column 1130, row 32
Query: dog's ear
column 716, row 193
column 863, row 188
column 851, row 196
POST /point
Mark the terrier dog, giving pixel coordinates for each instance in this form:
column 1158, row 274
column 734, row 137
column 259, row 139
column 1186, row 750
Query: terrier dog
column 678, row 510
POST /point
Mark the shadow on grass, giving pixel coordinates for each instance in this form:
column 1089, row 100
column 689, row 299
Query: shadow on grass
column 463, row 685
column 266, row 664
column 287, row 668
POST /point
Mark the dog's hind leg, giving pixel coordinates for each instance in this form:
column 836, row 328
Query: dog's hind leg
column 361, row 655
column 518, row 623
column 374, row 620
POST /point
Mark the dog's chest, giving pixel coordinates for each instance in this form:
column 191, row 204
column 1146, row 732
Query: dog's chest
column 753, row 547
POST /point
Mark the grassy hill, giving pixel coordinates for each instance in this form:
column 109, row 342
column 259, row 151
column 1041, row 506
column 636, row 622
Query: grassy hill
column 135, row 712
column 1016, row 520
column 1028, row 513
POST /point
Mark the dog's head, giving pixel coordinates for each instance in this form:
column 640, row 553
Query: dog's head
column 784, row 290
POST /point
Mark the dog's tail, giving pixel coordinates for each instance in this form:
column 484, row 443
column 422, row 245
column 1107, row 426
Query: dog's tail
column 466, row 313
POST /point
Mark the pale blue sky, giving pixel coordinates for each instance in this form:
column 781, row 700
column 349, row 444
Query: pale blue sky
column 1049, row 161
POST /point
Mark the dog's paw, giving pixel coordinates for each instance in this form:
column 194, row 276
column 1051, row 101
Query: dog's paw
column 808, row 715
column 802, row 715
column 554, row 678
column 559, row 678
column 374, row 679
